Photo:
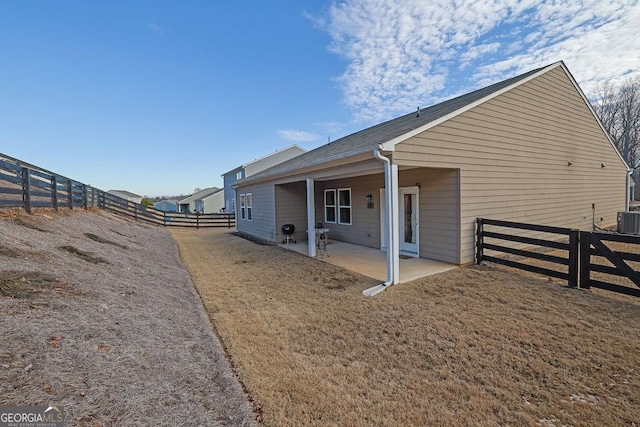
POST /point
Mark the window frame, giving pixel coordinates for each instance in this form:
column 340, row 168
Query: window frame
column 334, row 206
column 242, row 206
column 238, row 175
column 248, row 200
column 340, row 207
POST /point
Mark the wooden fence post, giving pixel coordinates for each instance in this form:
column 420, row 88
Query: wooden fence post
column 54, row 192
column 479, row 240
column 574, row 250
column 197, row 220
column 228, row 221
column 26, row 189
column 84, row 195
column 70, row 193
column 135, row 210
column 585, row 259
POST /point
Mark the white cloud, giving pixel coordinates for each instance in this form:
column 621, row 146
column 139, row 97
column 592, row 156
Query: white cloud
column 406, row 53
column 297, row 135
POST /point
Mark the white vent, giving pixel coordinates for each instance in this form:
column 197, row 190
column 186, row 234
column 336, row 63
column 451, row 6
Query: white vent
column 629, row 222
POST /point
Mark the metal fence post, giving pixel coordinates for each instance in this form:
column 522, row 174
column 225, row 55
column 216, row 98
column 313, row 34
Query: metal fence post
column 26, row 189
column 479, row 240
column 574, row 239
column 585, row 259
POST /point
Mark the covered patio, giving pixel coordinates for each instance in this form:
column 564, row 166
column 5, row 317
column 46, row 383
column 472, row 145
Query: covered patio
column 371, row 262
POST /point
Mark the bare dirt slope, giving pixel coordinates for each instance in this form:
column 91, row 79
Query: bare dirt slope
column 98, row 314
column 474, row 346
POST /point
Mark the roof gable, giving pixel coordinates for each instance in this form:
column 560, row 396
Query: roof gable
column 287, row 152
column 199, row 195
column 386, row 135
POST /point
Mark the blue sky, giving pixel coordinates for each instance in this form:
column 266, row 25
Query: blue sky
column 161, row 97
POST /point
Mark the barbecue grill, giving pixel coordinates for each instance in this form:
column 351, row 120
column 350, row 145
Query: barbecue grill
column 287, row 231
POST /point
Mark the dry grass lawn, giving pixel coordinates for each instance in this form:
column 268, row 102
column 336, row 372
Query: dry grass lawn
column 474, row 346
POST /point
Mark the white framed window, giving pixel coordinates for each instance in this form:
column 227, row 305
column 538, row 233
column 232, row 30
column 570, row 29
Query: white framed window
column 330, row 206
column 344, row 206
column 239, row 175
column 249, row 203
column 242, row 207
column 233, row 204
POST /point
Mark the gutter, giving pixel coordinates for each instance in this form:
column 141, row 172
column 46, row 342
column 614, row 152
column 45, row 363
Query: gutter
column 390, row 227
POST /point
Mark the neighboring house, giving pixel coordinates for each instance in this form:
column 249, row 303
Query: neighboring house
column 251, row 168
column 127, row 195
column 214, row 202
column 527, row 149
column 167, row 205
column 194, row 202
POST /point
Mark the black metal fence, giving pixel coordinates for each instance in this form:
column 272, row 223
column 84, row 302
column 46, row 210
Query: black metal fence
column 27, row 186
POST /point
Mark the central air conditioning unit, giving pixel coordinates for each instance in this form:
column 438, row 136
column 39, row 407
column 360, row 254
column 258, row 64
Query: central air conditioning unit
column 629, row 222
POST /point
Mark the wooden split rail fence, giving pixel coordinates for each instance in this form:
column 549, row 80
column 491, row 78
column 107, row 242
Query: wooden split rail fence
column 564, row 253
column 28, row 186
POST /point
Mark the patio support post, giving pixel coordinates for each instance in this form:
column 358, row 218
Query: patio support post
column 394, row 224
column 311, row 218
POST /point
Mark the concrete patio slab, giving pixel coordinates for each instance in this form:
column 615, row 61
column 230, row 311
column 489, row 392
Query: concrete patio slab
column 372, row 262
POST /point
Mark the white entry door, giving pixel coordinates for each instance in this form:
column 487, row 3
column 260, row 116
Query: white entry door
column 408, row 219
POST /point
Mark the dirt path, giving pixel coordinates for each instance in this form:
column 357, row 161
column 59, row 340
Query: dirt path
column 98, row 315
column 472, row 346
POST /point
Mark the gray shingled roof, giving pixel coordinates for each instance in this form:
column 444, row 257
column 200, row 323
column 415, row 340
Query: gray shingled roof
column 368, row 139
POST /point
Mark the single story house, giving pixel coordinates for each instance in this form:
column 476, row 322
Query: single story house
column 527, row 149
column 194, row 203
column 167, row 205
column 253, row 167
column 127, row 195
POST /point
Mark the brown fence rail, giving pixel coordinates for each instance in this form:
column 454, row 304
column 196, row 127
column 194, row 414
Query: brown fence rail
column 27, row 186
column 530, row 247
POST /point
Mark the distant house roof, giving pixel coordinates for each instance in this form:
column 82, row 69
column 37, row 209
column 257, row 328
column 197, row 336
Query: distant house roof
column 199, row 195
column 124, row 193
column 371, row 138
column 268, row 160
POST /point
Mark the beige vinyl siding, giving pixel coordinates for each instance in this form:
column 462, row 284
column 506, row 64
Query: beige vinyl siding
column 214, row 203
column 291, row 208
column 438, row 209
column 513, row 153
column 262, row 224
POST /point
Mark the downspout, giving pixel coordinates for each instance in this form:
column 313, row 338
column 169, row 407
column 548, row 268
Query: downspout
column 388, row 226
column 628, row 192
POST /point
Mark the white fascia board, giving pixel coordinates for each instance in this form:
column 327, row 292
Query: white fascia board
column 586, row 101
column 391, row 144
